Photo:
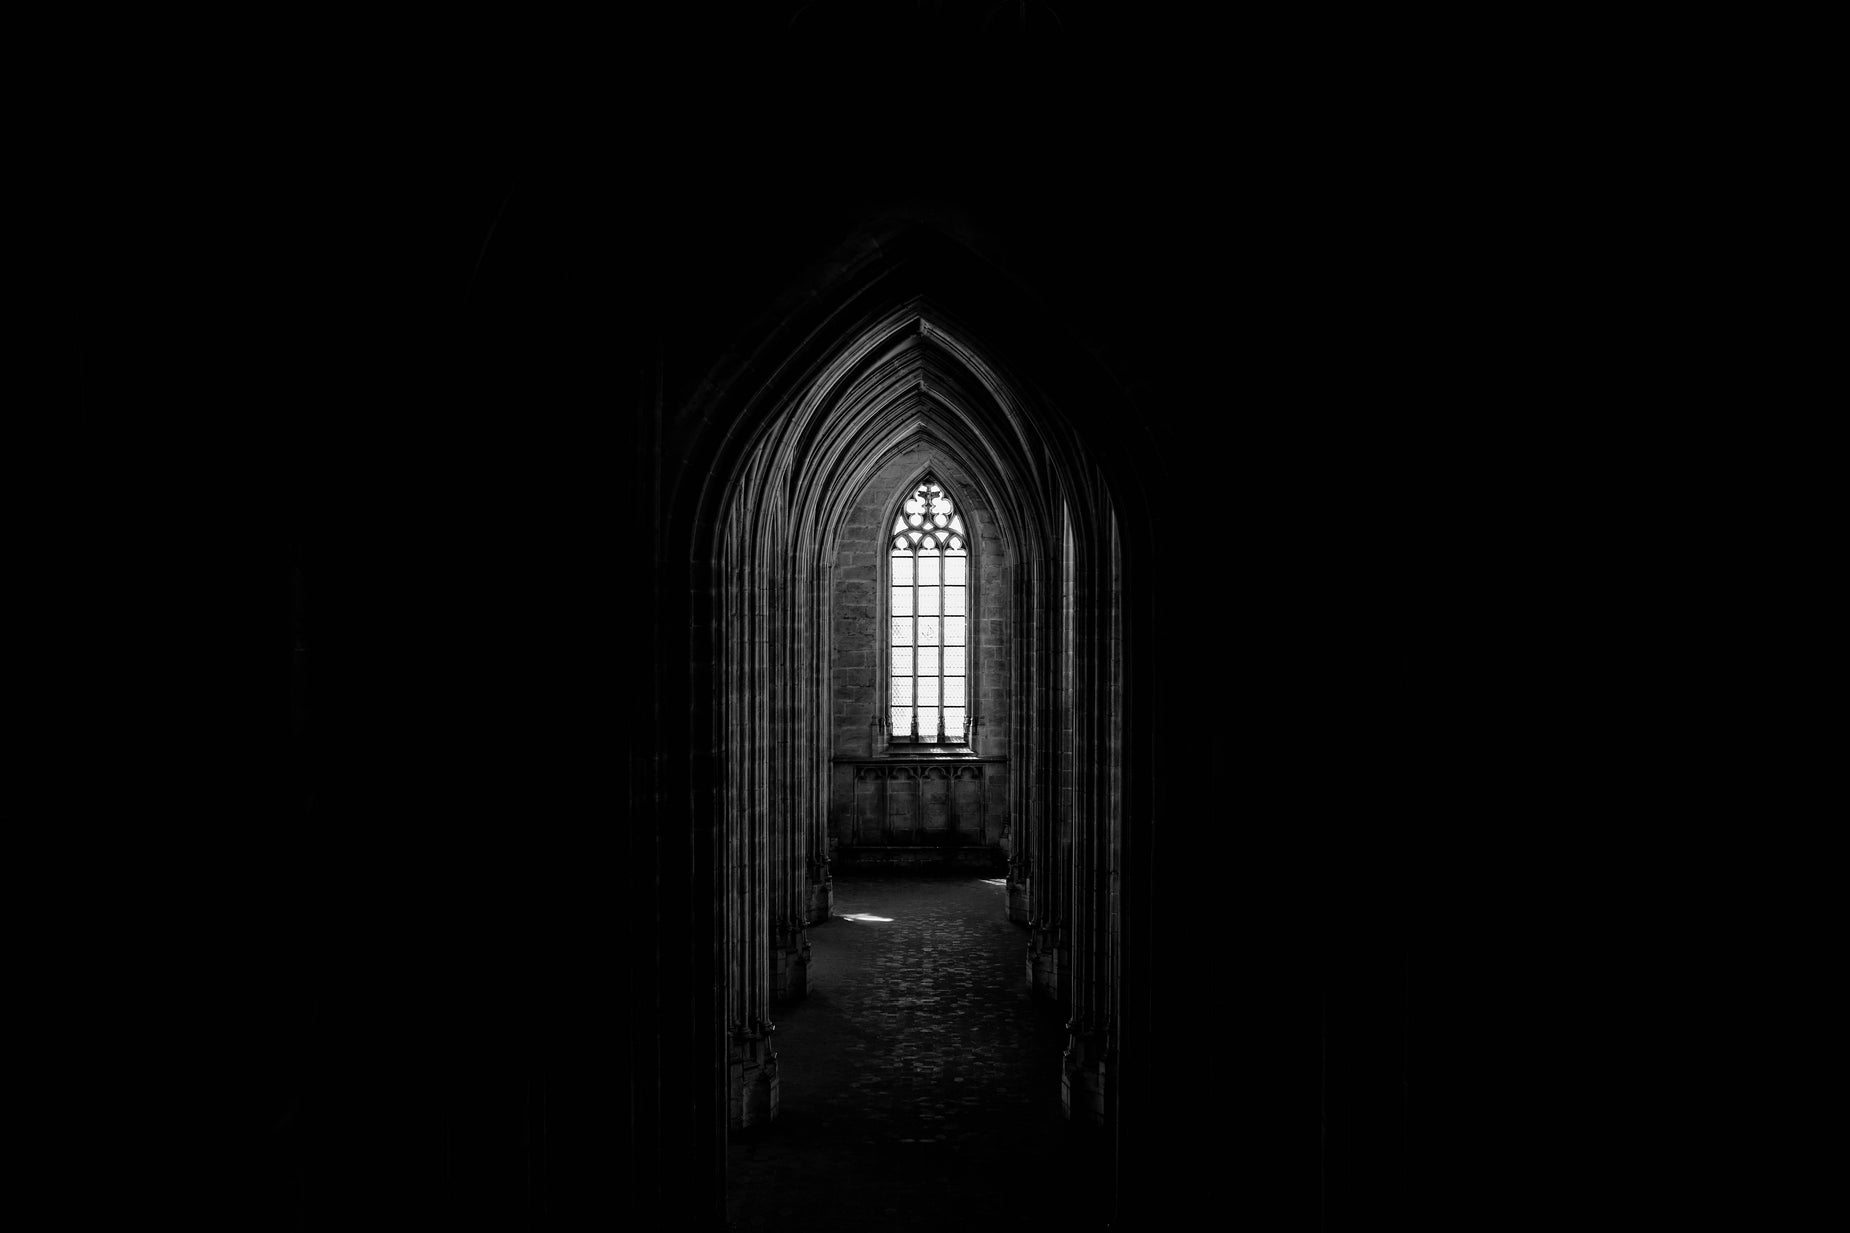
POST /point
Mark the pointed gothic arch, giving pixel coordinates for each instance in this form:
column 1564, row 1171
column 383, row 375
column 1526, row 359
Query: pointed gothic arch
column 913, row 345
column 930, row 585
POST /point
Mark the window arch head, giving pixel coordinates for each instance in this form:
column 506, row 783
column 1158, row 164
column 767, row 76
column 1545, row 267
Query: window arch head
column 929, row 611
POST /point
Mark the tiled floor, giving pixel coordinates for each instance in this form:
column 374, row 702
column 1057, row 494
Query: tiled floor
column 920, row 1081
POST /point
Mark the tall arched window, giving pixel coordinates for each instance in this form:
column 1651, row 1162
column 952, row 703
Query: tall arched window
column 929, row 609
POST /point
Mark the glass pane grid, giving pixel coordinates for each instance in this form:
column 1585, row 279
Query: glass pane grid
column 928, row 606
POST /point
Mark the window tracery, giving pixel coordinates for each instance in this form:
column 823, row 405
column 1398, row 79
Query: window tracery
column 929, row 618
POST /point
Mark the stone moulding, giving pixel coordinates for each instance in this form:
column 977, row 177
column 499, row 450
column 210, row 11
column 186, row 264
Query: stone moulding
column 922, row 799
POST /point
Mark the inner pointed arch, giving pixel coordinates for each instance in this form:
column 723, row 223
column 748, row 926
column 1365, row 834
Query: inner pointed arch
column 930, row 610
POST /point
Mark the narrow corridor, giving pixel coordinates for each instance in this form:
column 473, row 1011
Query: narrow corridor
column 920, row 1079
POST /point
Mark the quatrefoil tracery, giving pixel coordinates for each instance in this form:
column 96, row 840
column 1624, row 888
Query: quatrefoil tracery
column 928, row 522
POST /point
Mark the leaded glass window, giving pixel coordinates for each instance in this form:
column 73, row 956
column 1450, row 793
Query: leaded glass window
column 929, row 611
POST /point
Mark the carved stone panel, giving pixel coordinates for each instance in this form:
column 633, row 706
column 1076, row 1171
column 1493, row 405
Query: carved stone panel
column 935, row 796
column 929, row 802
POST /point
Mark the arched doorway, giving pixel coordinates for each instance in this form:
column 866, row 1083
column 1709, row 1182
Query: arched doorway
column 917, row 362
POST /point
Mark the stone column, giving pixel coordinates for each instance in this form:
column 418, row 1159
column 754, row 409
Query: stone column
column 1086, row 1068
column 1049, row 801
column 789, row 962
column 1049, row 958
column 1020, row 892
column 819, row 893
column 752, row 1083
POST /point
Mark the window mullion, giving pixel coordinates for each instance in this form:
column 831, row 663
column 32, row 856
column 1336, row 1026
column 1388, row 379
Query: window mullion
column 916, row 618
column 943, row 643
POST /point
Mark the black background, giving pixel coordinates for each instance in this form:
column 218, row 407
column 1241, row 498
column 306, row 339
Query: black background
column 1355, row 335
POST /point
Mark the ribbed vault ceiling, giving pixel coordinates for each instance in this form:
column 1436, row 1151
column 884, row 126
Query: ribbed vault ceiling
column 912, row 376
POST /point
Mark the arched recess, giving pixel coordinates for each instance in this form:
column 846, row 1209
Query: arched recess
column 913, row 340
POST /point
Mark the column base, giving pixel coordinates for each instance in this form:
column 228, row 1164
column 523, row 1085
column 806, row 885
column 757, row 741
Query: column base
column 790, row 966
column 819, row 898
column 752, row 1082
column 1047, row 963
column 1020, row 902
column 1085, row 1080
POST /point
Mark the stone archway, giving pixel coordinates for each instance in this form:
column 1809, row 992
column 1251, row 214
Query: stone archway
column 909, row 365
